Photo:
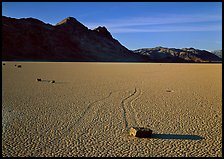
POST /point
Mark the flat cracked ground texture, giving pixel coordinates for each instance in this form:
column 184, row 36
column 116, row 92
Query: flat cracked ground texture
column 90, row 108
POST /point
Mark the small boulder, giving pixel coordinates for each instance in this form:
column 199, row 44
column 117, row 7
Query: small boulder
column 170, row 91
column 52, row 81
column 140, row 132
column 38, row 79
column 19, row 66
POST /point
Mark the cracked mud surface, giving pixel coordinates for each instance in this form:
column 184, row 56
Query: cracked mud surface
column 91, row 106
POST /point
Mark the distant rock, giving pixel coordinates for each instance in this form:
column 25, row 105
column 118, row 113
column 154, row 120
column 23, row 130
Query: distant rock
column 69, row 40
column 162, row 54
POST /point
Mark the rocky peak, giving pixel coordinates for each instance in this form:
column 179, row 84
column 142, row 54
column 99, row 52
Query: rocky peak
column 103, row 31
column 71, row 23
column 68, row 20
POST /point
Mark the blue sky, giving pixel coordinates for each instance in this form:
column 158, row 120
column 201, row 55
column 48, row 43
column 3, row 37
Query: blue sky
column 136, row 24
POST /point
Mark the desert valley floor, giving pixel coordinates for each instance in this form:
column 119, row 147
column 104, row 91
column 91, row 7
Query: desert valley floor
column 91, row 106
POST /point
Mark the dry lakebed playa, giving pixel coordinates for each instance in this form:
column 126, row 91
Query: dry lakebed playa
column 90, row 108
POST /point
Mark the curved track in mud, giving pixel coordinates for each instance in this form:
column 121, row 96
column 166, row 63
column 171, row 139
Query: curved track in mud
column 88, row 109
column 130, row 117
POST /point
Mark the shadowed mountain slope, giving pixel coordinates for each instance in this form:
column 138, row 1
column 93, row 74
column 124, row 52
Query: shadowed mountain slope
column 68, row 40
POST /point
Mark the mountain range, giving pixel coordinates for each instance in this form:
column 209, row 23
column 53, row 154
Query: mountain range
column 29, row 39
column 162, row 54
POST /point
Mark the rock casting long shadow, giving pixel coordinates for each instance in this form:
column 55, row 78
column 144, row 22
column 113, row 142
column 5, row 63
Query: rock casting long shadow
column 176, row 136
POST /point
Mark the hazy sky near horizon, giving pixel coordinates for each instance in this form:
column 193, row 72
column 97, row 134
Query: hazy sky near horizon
column 136, row 24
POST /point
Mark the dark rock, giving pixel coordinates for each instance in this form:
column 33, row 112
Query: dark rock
column 38, row 79
column 52, row 81
column 168, row 90
column 140, row 132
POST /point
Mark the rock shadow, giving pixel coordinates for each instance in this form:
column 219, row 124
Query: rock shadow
column 176, row 137
column 59, row 82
